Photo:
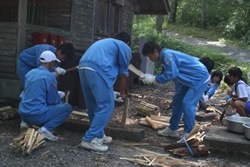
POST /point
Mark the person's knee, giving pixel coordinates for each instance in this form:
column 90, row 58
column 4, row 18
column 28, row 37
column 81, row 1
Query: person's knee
column 238, row 103
column 67, row 107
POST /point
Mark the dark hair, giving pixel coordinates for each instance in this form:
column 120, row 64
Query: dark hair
column 208, row 63
column 123, row 36
column 149, row 47
column 236, row 72
column 68, row 50
column 217, row 73
column 227, row 80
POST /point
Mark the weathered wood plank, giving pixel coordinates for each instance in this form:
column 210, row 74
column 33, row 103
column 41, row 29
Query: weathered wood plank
column 132, row 134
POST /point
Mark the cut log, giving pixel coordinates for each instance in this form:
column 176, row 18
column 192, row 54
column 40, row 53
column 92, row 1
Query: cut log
column 80, row 113
column 213, row 109
column 8, row 112
column 147, row 109
column 178, row 145
column 152, row 124
column 159, row 124
column 125, row 112
column 5, row 108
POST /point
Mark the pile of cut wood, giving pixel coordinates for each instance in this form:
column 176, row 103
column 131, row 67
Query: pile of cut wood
column 150, row 158
column 156, row 121
column 195, row 142
column 27, row 142
column 8, row 112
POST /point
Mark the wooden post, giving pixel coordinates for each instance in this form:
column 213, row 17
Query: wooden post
column 22, row 21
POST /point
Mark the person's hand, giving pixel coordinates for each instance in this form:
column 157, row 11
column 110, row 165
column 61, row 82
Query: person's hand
column 148, row 79
column 205, row 98
column 117, row 97
column 60, row 71
column 61, row 94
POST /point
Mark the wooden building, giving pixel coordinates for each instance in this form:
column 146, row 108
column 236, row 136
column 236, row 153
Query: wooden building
column 81, row 22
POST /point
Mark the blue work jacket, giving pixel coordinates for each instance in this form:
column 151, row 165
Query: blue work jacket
column 40, row 92
column 183, row 68
column 31, row 56
column 109, row 57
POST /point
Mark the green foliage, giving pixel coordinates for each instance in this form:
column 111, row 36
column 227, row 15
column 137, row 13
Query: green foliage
column 146, row 30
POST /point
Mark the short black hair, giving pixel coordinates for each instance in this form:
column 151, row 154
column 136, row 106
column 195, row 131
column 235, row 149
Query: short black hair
column 236, row 72
column 68, row 50
column 149, row 47
column 123, row 36
column 217, row 73
column 208, row 63
column 227, row 80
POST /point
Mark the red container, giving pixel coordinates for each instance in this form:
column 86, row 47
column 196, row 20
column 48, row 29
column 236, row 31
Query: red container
column 53, row 40
column 60, row 40
column 40, row 38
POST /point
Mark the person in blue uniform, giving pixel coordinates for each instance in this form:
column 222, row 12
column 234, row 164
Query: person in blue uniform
column 213, row 84
column 98, row 69
column 41, row 104
column 30, row 58
column 191, row 78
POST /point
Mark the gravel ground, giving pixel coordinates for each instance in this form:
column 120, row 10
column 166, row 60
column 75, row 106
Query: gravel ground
column 241, row 54
column 66, row 152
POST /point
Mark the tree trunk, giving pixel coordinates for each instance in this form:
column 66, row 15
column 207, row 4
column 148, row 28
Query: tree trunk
column 159, row 22
column 203, row 14
column 172, row 17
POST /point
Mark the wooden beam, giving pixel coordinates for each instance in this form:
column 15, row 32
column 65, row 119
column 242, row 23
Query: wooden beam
column 132, row 134
column 125, row 112
column 22, row 21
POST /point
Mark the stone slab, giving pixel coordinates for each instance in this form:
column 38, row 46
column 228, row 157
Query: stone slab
column 219, row 139
column 132, row 134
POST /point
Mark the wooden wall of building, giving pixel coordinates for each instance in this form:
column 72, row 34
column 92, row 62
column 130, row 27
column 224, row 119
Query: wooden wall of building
column 127, row 16
column 8, row 46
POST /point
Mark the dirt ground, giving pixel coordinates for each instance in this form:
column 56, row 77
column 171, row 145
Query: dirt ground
column 66, row 152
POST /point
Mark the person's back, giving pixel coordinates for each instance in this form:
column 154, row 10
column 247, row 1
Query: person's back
column 31, row 56
column 38, row 87
column 188, row 70
column 108, row 57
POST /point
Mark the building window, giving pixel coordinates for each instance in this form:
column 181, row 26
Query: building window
column 56, row 13
column 108, row 18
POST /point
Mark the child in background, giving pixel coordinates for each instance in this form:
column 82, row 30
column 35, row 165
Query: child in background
column 241, row 100
column 230, row 91
column 213, row 84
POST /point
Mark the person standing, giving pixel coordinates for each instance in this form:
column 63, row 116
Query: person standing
column 40, row 103
column 98, row 69
column 191, row 79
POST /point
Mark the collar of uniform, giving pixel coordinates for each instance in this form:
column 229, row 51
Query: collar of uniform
column 44, row 68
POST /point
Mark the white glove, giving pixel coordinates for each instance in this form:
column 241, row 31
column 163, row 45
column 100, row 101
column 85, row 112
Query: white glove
column 205, row 98
column 117, row 97
column 61, row 94
column 148, row 79
column 60, row 71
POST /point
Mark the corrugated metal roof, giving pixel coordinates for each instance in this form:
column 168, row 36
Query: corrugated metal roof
column 155, row 7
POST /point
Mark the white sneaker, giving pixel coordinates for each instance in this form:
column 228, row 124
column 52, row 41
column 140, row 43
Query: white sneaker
column 106, row 139
column 24, row 125
column 47, row 134
column 168, row 132
column 95, row 144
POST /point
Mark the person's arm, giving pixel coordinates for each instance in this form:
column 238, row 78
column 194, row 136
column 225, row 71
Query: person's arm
column 53, row 97
column 123, row 86
column 212, row 90
column 170, row 73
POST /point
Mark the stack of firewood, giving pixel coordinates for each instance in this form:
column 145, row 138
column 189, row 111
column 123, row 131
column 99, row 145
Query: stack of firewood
column 150, row 158
column 195, row 142
column 147, row 109
column 27, row 141
column 8, row 112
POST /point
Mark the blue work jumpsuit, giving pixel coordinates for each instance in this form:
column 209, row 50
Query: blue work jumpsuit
column 30, row 59
column 211, row 88
column 98, row 70
column 190, row 77
column 41, row 104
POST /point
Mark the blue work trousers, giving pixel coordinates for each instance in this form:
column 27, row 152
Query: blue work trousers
column 185, row 101
column 22, row 70
column 99, row 99
column 50, row 119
